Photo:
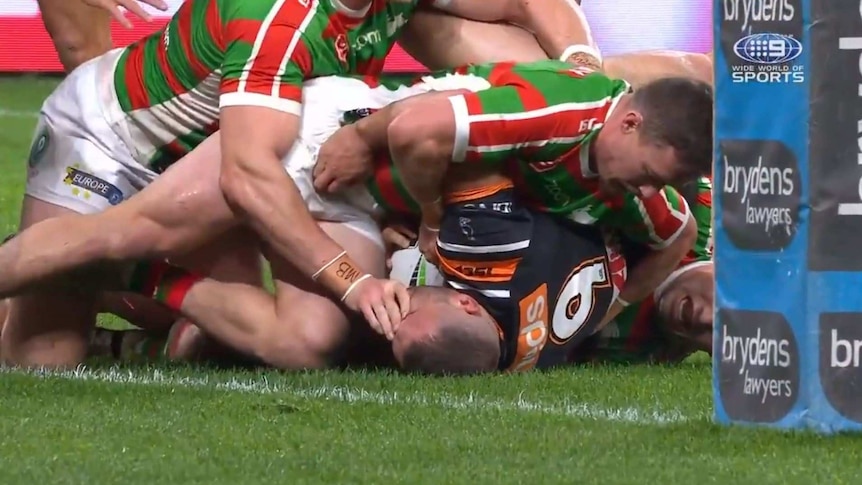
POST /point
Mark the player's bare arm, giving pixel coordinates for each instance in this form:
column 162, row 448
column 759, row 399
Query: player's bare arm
column 80, row 29
column 560, row 26
column 440, row 41
column 658, row 264
column 113, row 6
column 639, row 68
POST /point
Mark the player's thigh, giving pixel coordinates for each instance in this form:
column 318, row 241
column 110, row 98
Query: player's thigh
column 76, row 160
column 79, row 31
column 310, row 312
column 48, row 327
column 179, row 212
column 442, row 41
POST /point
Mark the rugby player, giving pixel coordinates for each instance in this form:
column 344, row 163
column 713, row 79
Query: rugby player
column 578, row 144
column 665, row 327
column 80, row 29
column 231, row 65
column 675, row 321
column 524, row 288
column 298, row 339
column 249, row 320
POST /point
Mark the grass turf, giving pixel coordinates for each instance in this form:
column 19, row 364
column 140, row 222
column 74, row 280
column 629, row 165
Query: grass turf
column 603, row 425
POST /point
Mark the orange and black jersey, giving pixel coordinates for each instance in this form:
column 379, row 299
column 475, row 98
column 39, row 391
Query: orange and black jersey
column 545, row 281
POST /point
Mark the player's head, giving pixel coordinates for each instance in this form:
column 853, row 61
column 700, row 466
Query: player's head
column 446, row 332
column 660, row 135
column 685, row 306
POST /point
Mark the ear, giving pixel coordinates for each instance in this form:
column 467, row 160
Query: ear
column 468, row 304
column 631, row 122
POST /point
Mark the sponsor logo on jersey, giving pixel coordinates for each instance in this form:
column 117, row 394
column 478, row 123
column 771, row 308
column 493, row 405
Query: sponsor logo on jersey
column 540, row 167
column 757, row 361
column 533, row 334
column 835, row 148
column 84, row 185
column 761, row 39
column 760, row 193
column 341, row 48
column 37, row 149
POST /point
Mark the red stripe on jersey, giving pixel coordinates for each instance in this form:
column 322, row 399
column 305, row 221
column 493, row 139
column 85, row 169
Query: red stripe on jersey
column 165, row 65
column 274, row 47
column 138, row 97
column 290, row 91
column 214, row 25
column 385, row 181
column 534, row 129
column 704, row 199
column 371, row 66
column 184, row 31
column 378, row 6
column 643, row 327
column 371, row 81
column 503, row 75
column 244, row 30
column 497, row 76
column 229, row 85
column 658, row 210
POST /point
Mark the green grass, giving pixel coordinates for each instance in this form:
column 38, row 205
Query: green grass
column 602, row 425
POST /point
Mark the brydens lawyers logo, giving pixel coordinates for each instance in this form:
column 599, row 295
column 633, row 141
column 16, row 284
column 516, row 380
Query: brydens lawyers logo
column 840, row 362
column 760, row 193
column 757, row 364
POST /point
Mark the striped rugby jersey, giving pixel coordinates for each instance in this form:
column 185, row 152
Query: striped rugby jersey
column 169, row 86
column 546, row 282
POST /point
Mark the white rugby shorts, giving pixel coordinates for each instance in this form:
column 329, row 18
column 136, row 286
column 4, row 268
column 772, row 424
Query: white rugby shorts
column 76, row 160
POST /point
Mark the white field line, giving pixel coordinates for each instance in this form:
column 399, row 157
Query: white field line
column 14, row 113
column 262, row 386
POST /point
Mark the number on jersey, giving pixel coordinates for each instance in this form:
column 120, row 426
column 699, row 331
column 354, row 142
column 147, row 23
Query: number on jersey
column 577, row 300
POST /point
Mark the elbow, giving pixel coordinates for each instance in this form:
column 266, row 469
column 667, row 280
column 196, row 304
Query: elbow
column 237, row 182
column 702, row 67
column 412, row 137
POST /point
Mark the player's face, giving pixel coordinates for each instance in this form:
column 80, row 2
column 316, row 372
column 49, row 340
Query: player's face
column 628, row 163
column 686, row 307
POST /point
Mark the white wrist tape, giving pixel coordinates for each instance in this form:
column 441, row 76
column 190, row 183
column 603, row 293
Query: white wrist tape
column 580, row 49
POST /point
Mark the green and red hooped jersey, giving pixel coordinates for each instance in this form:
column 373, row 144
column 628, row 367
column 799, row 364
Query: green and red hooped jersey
column 216, row 53
column 538, row 119
column 636, row 335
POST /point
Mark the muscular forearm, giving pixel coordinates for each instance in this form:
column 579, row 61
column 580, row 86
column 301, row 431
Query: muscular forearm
column 557, row 24
column 639, row 68
column 644, row 278
column 268, row 200
column 421, row 164
column 441, row 41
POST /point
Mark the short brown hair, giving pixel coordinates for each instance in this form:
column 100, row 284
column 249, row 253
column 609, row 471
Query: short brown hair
column 452, row 350
column 677, row 112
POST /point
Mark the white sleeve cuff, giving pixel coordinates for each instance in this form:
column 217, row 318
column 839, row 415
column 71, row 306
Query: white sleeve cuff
column 262, row 100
